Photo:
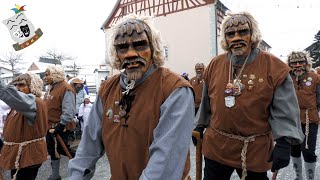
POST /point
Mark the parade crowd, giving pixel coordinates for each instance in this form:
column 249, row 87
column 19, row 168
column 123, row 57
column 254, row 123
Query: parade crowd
column 253, row 113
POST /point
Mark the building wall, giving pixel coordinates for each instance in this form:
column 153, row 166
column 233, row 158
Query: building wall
column 188, row 38
column 6, row 75
column 187, row 35
column 214, row 32
column 100, row 76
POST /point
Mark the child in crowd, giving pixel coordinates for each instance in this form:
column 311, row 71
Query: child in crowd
column 84, row 111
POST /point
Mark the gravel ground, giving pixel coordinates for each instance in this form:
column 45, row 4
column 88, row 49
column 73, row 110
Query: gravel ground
column 103, row 172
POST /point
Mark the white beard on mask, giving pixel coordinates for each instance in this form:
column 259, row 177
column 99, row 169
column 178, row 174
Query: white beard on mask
column 299, row 71
column 134, row 74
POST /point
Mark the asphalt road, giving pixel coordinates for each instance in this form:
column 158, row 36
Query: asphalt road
column 103, row 172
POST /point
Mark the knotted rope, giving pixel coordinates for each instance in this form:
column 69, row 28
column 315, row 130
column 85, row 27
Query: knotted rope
column 307, row 128
column 245, row 141
column 21, row 145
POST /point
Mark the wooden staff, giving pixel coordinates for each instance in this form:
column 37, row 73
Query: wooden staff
column 64, row 147
column 196, row 134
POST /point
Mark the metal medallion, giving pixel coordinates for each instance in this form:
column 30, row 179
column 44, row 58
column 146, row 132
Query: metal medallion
column 308, row 83
column 116, row 118
column 109, row 113
column 230, row 101
column 260, row 80
column 250, row 82
column 252, row 76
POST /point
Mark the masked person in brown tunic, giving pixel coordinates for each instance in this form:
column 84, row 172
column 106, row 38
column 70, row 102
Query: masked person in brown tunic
column 141, row 117
column 197, row 84
column 25, row 127
column 307, row 86
column 60, row 100
column 248, row 100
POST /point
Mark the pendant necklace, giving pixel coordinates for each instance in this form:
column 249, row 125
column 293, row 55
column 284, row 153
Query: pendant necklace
column 235, row 88
column 125, row 102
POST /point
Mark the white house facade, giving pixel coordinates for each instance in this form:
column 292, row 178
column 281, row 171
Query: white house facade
column 190, row 29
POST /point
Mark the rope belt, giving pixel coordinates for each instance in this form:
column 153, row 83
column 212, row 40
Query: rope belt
column 21, row 145
column 245, row 141
column 307, row 128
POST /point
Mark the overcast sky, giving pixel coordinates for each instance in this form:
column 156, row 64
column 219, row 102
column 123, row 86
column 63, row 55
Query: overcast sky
column 73, row 27
column 69, row 26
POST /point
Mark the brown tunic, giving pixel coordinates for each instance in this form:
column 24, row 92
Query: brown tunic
column 54, row 98
column 197, row 87
column 307, row 97
column 17, row 129
column 248, row 117
column 127, row 148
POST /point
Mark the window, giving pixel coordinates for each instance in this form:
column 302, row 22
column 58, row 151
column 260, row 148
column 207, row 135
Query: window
column 165, row 53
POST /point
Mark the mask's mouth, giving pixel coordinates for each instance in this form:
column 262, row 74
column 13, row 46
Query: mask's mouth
column 133, row 63
column 238, row 44
column 299, row 70
column 199, row 74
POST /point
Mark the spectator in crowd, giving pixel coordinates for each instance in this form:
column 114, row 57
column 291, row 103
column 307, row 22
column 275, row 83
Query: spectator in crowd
column 77, row 84
column 85, row 87
column 84, row 111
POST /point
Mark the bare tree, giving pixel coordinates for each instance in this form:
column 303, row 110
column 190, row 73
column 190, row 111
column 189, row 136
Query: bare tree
column 12, row 59
column 75, row 69
column 57, row 56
